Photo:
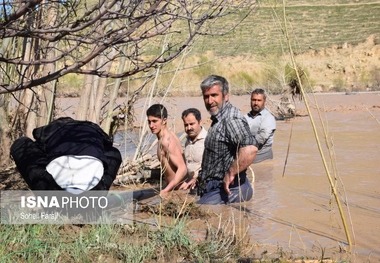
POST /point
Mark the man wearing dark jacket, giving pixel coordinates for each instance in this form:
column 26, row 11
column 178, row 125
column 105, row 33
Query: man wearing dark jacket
column 76, row 156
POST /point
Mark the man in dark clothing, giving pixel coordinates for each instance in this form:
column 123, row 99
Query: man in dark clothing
column 71, row 155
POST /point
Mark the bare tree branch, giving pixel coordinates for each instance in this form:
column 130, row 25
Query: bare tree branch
column 81, row 33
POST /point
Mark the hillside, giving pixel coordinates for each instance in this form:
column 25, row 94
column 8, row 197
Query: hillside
column 312, row 25
column 336, row 42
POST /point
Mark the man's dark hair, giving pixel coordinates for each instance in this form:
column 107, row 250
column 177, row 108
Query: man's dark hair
column 194, row 111
column 215, row 80
column 259, row 91
column 158, row 111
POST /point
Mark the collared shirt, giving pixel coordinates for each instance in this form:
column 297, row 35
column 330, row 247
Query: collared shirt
column 262, row 126
column 228, row 133
column 194, row 152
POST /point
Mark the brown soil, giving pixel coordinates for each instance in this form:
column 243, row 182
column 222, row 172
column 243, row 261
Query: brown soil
column 344, row 67
column 10, row 179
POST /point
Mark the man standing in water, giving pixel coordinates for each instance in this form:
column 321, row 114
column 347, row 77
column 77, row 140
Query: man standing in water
column 229, row 148
column 262, row 124
column 194, row 146
column 169, row 150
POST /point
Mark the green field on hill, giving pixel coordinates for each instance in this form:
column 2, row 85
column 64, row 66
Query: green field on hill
column 250, row 55
column 312, row 25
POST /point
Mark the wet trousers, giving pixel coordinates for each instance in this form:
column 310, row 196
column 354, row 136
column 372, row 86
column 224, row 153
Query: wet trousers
column 215, row 194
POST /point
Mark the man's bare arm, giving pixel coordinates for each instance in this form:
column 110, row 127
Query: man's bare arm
column 245, row 157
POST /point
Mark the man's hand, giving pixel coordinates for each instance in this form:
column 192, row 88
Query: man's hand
column 189, row 185
column 228, row 179
column 246, row 156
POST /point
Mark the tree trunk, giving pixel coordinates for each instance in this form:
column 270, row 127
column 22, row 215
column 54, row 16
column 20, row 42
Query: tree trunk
column 85, row 94
column 28, row 97
column 4, row 125
column 5, row 141
column 98, row 94
column 116, row 87
column 47, row 91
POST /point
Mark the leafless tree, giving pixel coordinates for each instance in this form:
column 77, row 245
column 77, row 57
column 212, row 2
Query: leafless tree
column 44, row 40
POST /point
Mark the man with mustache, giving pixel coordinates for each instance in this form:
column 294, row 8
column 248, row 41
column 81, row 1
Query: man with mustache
column 194, row 145
column 229, row 148
column 262, row 124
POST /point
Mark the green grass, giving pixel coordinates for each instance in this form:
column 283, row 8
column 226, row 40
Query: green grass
column 111, row 243
column 316, row 25
column 172, row 242
column 312, row 25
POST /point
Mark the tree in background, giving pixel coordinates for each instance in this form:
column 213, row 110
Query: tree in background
column 42, row 41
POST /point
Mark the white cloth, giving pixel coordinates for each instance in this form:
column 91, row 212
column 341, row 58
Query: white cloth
column 76, row 174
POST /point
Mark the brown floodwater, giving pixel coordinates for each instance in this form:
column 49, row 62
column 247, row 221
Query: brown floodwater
column 293, row 206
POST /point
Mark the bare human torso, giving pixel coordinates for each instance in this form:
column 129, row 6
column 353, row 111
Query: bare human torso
column 170, row 155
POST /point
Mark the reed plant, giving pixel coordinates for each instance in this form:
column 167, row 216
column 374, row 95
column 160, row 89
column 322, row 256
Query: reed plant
column 330, row 173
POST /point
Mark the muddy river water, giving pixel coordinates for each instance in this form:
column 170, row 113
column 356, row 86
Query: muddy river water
column 293, row 206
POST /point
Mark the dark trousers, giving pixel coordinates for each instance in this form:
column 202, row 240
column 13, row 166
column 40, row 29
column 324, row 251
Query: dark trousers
column 214, row 194
column 31, row 162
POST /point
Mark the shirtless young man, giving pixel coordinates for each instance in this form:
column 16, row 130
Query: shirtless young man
column 169, row 150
